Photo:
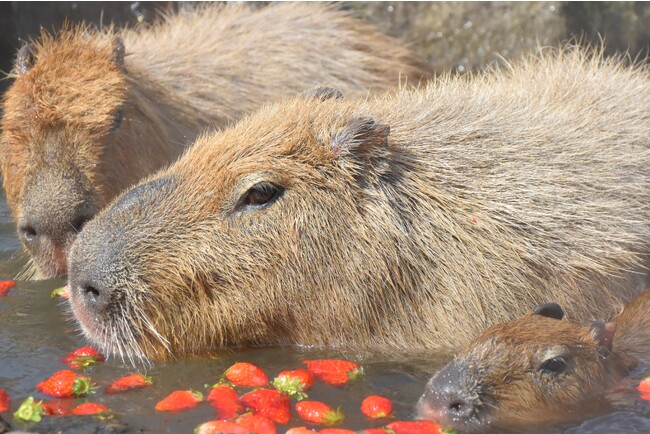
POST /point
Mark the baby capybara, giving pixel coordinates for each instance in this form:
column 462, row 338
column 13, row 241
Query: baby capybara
column 537, row 369
column 91, row 112
column 406, row 222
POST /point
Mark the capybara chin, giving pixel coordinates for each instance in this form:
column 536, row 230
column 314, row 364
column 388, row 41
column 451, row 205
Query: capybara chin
column 407, row 222
column 537, row 369
column 93, row 111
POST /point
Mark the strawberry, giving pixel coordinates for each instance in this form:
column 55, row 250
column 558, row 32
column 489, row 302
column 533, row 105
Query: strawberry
column 300, row 430
column 220, row 427
column 30, row 411
column 226, row 401
column 129, row 382
column 336, row 431
column 269, row 403
column 257, row 424
column 646, row 397
column 5, row 401
column 180, row 400
column 644, row 386
column 83, row 357
column 294, row 383
column 415, row 427
column 90, row 408
column 247, row 375
column 375, row 407
column 63, row 384
column 374, row 431
column 5, row 286
column 63, row 292
column 334, row 372
column 58, row 407
column 319, row 413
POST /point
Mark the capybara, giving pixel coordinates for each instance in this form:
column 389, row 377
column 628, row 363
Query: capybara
column 406, row 222
column 537, row 368
column 92, row 111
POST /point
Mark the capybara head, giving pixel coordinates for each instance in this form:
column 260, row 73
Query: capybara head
column 535, row 369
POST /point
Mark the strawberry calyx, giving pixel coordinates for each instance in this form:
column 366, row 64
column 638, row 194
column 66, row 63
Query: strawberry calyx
column 29, row 411
column 292, row 387
column 333, row 417
column 82, row 386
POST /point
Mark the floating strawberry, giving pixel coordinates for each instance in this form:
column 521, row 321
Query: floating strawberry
column 180, row 400
column 5, row 401
column 226, row 401
column 269, row 403
column 129, row 382
column 334, row 372
column 220, row 427
column 5, row 286
column 90, row 408
column 375, row 407
column 58, row 407
column 30, row 411
column 63, row 292
column 257, row 424
column 644, row 386
column 246, row 375
column 415, row 427
column 336, row 431
column 83, row 357
column 294, row 383
column 63, row 384
column 301, row 430
column 319, row 413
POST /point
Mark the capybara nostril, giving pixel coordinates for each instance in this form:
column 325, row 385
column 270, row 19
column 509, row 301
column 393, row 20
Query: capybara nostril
column 460, row 408
column 27, row 233
column 94, row 295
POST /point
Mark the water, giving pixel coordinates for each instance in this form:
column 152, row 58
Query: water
column 36, row 331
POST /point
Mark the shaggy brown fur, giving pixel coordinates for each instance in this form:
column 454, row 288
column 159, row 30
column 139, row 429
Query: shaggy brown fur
column 507, row 368
column 200, row 67
column 407, row 222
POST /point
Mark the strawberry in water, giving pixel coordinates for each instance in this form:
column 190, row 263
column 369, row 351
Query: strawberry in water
column 257, row 424
column 5, row 401
column 294, row 383
column 180, row 400
column 30, row 411
column 246, row 375
column 226, row 401
column 375, row 407
column 336, row 431
column 301, row 430
column 90, row 408
column 83, row 357
column 415, row 427
column 334, row 372
column 65, row 383
column 269, row 403
column 58, row 407
column 644, row 386
column 319, row 413
column 220, row 427
column 129, row 382
column 5, row 286
column 63, row 292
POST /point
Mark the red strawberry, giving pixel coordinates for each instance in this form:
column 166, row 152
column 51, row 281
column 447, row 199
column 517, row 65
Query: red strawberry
column 247, row 375
column 644, row 386
column 319, row 413
column 257, row 424
column 336, row 431
column 63, row 292
column 294, row 383
column 376, row 406
column 5, row 401
column 180, row 400
column 415, row 427
column 90, row 408
column 58, row 407
column 83, row 357
column 220, row 427
column 225, row 399
column 5, row 286
column 30, row 411
column 334, row 372
column 269, row 403
column 63, row 384
column 300, row 430
column 129, row 382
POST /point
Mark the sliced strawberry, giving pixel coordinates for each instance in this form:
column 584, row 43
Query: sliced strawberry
column 63, row 384
column 220, row 427
column 375, row 407
column 294, row 383
column 257, row 424
column 415, row 427
column 320, row 413
column 5, row 286
column 58, row 407
column 90, row 408
column 180, row 400
column 269, row 403
column 334, row 372
column 5, row 401
column 246, row 375
column 83, row 357
column 226, row 401
column 129, row 382
column 30, row 411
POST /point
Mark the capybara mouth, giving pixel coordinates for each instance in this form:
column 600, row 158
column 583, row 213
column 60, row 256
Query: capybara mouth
column 479, row 421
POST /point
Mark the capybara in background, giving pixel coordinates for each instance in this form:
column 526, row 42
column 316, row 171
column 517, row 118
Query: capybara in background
column 93, row 111
column 406, row 222
column 537, row 369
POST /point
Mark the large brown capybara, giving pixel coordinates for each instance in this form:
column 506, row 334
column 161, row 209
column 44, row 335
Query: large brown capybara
column 407, row 222
column 91, row 112
column 537, row 369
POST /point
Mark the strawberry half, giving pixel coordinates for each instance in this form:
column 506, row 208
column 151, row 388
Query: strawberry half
column 269, row 403
column 83, row 357
column 375, row 407
column 320, row 413
column 334, row 372
column 180, row 400
column 294, row 383
column 63, row 384
column 129, row 382
column 5, row 286
column 5, row 401
column 30, row 411
column 226, row 401
column 415, row 427
column 257, row 424
column 220, row 427
column 246, row 375
column 90, row 408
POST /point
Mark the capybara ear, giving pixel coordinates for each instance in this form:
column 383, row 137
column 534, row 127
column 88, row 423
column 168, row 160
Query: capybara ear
column 359, row 136
column 604, row 334
column 25, row 58
column 118, row 51
column 322, row 93
column 550, row 310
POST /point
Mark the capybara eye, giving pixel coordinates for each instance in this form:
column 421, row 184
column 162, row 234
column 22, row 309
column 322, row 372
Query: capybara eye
column 556, row 365
column 260, row 195
column 117, row 120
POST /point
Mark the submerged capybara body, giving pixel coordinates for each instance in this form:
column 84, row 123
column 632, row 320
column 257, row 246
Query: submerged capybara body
column 407, row 222
column 537, row 368
column 91, row 112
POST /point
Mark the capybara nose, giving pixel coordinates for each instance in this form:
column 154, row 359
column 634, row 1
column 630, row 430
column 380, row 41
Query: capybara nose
column 450, row 396
column 58, row 229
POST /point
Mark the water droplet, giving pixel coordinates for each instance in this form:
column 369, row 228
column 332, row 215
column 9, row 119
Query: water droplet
column 389, row 9
column 461, row 68
column 551, row 8
column 467, row 25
